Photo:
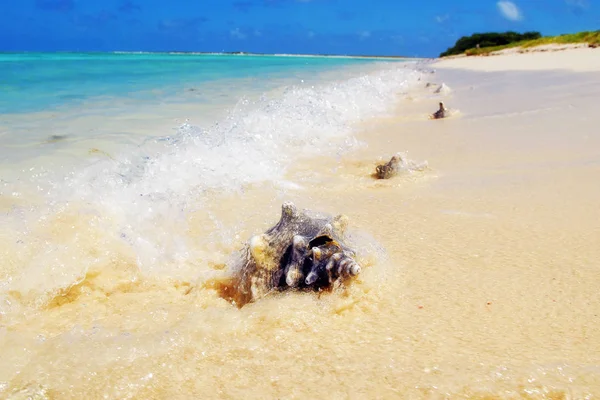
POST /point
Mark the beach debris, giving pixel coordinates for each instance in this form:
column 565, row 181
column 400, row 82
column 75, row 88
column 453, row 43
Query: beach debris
column 390, row 169
column 425, row 70
column 443, row 89
column 439, row 89
column 442, row 112
column 304, row 250
column 398, row 162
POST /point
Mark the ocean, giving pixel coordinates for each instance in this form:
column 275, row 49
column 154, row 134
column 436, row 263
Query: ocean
column 66, row 92
column 129, row 183
column 136, row 175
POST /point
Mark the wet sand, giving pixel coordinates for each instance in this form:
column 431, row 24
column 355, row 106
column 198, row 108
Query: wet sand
column 480, row 275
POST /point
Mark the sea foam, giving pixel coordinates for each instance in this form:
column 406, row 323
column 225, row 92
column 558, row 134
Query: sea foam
column 142, row 199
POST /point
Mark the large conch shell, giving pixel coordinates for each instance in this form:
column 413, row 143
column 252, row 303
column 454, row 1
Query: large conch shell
column 301, row 251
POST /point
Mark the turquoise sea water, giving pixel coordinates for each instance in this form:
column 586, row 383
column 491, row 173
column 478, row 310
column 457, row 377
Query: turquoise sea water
column 41, row 81
column 160, row 164
column 141, row 142
column 57, row 107
column 112, row 126
column 64, row 113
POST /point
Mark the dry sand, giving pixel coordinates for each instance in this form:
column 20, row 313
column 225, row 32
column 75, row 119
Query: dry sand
column 488, row 286
column 541, row 58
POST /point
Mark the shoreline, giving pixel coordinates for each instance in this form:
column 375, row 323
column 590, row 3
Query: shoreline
column 481, row 283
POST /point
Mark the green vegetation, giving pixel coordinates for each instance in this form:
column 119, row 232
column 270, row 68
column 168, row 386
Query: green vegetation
column 592, row 38
column 491, row 39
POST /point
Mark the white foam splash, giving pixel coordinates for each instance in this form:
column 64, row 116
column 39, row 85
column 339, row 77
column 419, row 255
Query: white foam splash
column 409, row 165
column 443, row 89
column 146, row 195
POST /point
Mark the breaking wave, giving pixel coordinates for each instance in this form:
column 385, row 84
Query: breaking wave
column 139, row 205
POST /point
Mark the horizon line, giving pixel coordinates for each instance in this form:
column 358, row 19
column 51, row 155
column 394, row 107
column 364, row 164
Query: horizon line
column 224, row 53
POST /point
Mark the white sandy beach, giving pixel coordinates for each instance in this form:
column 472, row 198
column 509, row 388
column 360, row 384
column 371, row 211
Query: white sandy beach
column 542, row 58
column 483, row 280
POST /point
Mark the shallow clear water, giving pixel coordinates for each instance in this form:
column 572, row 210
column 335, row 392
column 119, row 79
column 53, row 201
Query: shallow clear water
column 143, row 166
column 119, row 215
column 45, row 81
column 112, row 167
column 57, row 108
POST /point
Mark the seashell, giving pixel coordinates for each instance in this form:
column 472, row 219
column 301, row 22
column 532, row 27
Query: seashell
column 302, row 251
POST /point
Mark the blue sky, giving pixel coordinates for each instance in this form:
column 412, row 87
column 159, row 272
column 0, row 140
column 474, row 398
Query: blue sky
column 390, row 27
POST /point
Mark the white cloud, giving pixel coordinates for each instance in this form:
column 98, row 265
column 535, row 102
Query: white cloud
column 442, row 18
column 310, row 34
column 257, row 33
column 509, row 10
column 364, row 35
column 237, row 34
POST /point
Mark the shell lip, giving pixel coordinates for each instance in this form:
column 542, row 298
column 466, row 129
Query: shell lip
column 319, row 241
